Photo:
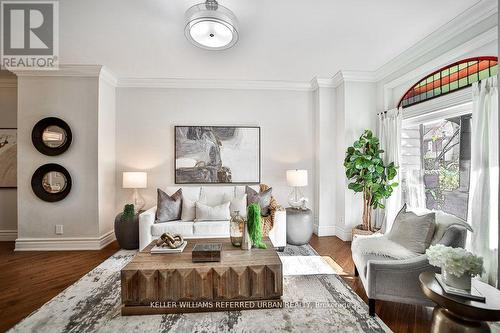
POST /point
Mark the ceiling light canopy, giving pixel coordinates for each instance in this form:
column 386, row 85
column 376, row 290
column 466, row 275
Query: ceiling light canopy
column 211, row 26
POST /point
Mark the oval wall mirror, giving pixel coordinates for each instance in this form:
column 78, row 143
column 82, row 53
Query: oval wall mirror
column 51, row 136
column 51, row 182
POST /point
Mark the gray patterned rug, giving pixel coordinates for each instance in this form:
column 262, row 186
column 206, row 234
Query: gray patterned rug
column 318, row 303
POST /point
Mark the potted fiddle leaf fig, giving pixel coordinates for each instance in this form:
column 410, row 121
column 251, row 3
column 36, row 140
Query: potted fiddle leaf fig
column 368, row 174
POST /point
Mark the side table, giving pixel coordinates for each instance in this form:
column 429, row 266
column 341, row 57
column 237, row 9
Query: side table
column 299, row 226
column 127, row 231
column 458, row 314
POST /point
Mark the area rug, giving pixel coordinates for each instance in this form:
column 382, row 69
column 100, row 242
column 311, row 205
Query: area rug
column 319, row 303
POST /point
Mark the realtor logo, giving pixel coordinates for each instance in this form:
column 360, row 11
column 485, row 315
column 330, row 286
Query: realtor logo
column 29, row 34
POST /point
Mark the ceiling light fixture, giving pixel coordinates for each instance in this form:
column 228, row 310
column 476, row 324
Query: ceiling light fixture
column 211, row 26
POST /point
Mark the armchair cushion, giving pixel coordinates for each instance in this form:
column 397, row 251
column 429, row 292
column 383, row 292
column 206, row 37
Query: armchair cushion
column 413, row 231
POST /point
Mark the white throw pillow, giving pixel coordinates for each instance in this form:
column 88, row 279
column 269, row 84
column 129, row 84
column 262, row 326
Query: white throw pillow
column 216, row 213
column 237, row 204
column 188, row 209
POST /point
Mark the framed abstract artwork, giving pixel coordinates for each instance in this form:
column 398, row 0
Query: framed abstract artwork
column 217, row 154
column 8, row 157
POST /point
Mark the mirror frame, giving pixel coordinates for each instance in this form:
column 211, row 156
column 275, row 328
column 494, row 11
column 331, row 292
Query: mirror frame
column 37, row 178
column 37, row 136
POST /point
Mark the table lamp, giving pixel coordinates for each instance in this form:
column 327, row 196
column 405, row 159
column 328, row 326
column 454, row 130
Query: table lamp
column 297, row 179
column 136, row 180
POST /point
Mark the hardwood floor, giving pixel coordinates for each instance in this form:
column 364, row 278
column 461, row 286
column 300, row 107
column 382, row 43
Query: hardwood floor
column 402, row 318
column 30, row 279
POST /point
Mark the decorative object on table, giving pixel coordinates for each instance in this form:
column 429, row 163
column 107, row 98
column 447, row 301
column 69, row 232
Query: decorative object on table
column 299, row 226
column 168, row 207
column 458, row 314
column 297, row 179
column 198, row 157
column 255, row 226
column 8, row 157
column 136, row 180
column 262, row 198
column 246, row 242
column 471, row 293
column 51, row 136
column 51, row 182
column 168, row 243
column 236, row 226
column 169, row 240
column 457, row 265
column 367, row 173
column 207, row 252
column 127, row 228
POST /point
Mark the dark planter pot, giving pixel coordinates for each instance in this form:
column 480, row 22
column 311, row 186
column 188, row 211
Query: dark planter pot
column 127, row 232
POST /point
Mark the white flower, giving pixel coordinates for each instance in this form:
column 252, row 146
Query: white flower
column 456, row 261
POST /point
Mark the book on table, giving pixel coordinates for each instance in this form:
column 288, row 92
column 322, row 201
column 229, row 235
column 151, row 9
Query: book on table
column 472, row 294
column 165, row 249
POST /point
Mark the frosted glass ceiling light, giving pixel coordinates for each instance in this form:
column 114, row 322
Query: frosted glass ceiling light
column 211, row 26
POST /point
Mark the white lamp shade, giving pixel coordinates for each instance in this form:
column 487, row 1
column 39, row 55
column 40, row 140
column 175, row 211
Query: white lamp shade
column 135, row 180
column 296, row 177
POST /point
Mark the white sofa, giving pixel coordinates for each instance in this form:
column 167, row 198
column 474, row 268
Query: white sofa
column 211, row 195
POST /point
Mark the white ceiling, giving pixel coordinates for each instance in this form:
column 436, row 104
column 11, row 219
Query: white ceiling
column 292, row 40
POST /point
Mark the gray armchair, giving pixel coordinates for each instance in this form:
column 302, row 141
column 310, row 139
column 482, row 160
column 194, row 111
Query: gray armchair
column 396, row 280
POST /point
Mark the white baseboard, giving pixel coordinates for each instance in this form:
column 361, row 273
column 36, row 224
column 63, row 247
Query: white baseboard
column 343, row 233
column 8, row 235
column 325, row 230
column 65, row 244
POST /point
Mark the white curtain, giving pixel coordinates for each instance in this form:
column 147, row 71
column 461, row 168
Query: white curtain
column 389, row 133
column 483, row 194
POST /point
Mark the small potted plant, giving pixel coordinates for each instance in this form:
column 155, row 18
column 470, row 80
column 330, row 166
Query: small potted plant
column 457, row 265
column 368, row 174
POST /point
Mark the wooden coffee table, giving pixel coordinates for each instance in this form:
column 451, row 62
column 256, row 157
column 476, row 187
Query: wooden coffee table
column 172, row 283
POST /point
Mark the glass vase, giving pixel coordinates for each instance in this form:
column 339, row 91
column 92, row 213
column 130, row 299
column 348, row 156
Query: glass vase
column 236, row 226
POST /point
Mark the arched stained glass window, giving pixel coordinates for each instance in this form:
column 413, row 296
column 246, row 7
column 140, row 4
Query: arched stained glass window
column 448, row 79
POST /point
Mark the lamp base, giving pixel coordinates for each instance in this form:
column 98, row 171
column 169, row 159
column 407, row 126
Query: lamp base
column 138, row 201
column 297, row 200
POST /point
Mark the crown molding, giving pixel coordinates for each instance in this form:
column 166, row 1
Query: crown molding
column 352, row 76
column 446, row 58
column 211, row 84
column 481, row 11
column 70, row 71
column 321, row 82
column 8, row 82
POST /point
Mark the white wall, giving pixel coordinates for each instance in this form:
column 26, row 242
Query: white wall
column 87, row 104
column 8, row 196
column 106, row 156
column 356, row 111
column 145, row 120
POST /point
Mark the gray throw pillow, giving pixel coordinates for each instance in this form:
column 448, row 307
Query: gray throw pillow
column 262, row 198
column 168, row 208
column 413, row 231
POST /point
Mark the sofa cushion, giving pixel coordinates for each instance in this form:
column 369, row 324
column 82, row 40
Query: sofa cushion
column 185, row 229
column 188, row 209
column 361, row 261
column 209, row 213
column 240, row 190
column 216, row 195
column 413, row 231
column 238, row 204
column 168, row 207
column 262, row 198
column 211, row 228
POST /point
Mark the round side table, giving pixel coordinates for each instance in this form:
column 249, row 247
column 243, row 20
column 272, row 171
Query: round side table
column 457, row 314
column 299, row 226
